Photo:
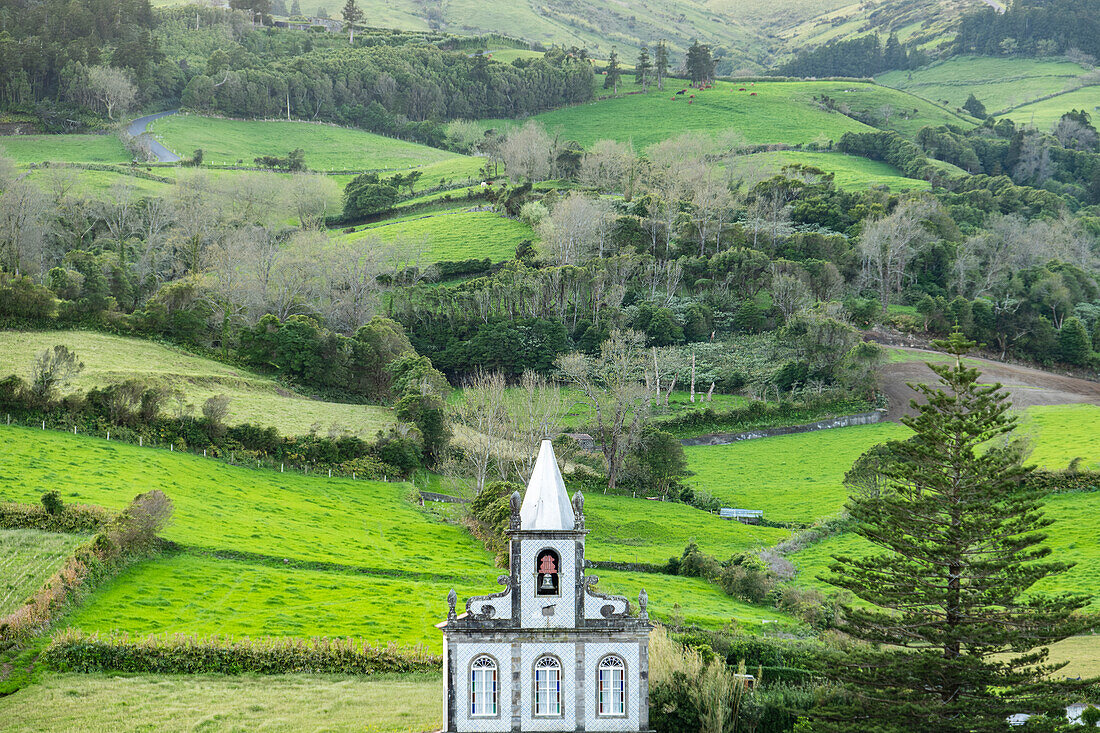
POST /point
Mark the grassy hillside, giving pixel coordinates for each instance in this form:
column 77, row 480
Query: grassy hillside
column 852, row 173
column 998, row 82
column 255, row 399
column 289, row 555
column 95, row 702
column 926, row 23
column 793, row 478
column 781, row 112
column 64, row 148
column 1059, row 434
column 452, row 234
column 327, row 147
column 1045, row 114
column 27, row 559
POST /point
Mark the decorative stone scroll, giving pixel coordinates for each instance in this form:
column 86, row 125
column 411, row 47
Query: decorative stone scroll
column 494, row 605
column 605, row 606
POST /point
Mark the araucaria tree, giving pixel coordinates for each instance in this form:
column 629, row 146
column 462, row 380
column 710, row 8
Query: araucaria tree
column 352, row 15
column 959, row 533
column 614, row 73
column 642, row 67
column 660, row 64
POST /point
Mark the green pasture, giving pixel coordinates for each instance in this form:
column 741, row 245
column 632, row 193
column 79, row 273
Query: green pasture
column 793, row 478
column 327, row 147
column 782, row 112
column 1059, row 433
column 1045, row 114
column 98, row 184
column 268, row 553
column 624, row 529
column 110, row 702
column 64, row 148
column 27, row 559
column 369, row 525
column 253, row 399
column 452, row 234
column 851, row 172
column 579, row 415
column 998, row 82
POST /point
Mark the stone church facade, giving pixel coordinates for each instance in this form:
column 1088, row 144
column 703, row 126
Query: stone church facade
column 547, row 653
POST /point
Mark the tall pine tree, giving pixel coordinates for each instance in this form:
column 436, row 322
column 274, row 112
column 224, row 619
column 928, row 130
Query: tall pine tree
column 660, row 66
column 699, row 63
column 614, row 73
column 352, row 15
column 958, row 531
column 642, row 67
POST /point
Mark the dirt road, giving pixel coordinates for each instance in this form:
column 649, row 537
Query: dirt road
column 1027, row 386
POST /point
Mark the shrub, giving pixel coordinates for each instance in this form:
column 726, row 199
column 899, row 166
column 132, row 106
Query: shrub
column 72, row 519
column 75, row 651
column 51, row 502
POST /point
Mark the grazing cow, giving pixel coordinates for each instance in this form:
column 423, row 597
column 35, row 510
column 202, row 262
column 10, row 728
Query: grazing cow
column 752, row 94
column 682, row 91
column 741, row 89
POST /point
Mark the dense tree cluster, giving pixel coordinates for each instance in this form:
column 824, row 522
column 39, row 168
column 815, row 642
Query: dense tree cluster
column 1033, row 28
column 859, row 57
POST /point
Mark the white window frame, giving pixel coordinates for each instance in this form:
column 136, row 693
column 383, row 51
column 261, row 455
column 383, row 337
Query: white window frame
column 547, row 701
column 484, row 666
column 608, row 691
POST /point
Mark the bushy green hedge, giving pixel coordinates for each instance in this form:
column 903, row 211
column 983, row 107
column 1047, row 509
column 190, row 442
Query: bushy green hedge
column 75, row 651
column 73, row 519
column 1061, row 482
column 759, row 414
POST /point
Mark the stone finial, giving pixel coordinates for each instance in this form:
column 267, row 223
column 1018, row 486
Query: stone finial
column 643, row 603
column 452, row 599
column 578, row 509
column 514, row 503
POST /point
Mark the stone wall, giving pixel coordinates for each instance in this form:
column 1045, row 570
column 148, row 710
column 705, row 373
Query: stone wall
column 860, row 418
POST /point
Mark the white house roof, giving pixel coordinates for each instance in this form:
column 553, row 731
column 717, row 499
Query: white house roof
column 546, row 506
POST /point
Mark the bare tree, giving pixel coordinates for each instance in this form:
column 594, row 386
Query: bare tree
column 576, row 229
column 888, row 245
column 527, row 152
column 310, row 195
column 482, row 417
column 711, row 201
column 352, row 289
column 789, row 294
column 52, row 370
column 24, row 213
column 1074, row 135
column 253, row 198
column 154, row 217
column 538, row 409
column 112, row 88
column 610, row 166
column 197, row 208
column 613, row 388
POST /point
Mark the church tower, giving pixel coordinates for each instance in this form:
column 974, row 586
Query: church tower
column 548, row 653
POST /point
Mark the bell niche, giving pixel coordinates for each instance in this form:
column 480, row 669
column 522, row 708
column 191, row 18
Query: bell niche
column 546, row 575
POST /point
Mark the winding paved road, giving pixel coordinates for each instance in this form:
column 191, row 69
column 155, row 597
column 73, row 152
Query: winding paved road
column 140, row 126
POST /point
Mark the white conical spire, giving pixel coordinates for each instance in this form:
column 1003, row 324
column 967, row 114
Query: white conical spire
column 546, row 506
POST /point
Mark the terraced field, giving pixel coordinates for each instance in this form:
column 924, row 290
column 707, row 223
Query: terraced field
column 253, row 398
column 1045, row 114
column 27, row 559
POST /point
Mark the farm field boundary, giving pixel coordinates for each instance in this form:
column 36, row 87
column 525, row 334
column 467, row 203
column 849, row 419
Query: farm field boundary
column 862, row 418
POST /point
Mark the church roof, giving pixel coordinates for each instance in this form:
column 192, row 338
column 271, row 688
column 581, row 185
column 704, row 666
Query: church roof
column 546, row 506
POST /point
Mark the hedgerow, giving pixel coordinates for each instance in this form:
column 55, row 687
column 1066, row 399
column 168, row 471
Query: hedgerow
column 72, row 519
column 74, row 651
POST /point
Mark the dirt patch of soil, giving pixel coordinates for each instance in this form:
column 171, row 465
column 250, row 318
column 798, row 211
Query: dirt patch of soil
column 1027, row 386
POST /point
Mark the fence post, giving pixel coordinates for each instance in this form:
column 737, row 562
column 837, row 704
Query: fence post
column 171, row 447
column 330, row 473
column 74, row 430
column 108, row 435
column 141, row 440
column 353, row 477
column 204, row 452
column 43, row 424
column 282, row 467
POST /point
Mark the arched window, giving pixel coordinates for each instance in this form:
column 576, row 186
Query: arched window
column 547, row 569
column 547, row 686
column 483, row 686
column 612, row 686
